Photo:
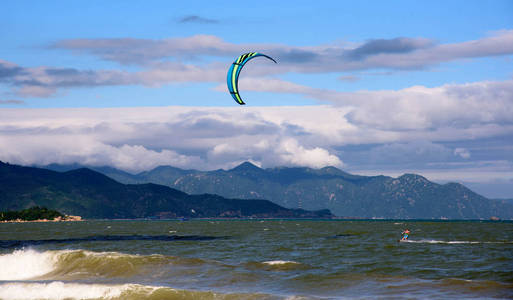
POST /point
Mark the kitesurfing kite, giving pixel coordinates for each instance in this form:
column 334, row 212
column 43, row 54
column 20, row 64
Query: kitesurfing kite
column 233, row 73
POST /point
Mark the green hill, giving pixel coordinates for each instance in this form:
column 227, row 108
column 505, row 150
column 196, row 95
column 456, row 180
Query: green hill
column 30, row 214
column 408, row 196
column 89, row 194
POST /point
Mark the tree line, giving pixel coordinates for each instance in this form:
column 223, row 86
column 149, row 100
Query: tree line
column 30, row 214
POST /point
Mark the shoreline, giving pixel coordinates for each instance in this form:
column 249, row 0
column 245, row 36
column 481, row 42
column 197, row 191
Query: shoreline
column 307, row 219
column 79, row 219
column 58, row 219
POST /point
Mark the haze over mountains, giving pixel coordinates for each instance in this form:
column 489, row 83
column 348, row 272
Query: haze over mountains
column 346, row 195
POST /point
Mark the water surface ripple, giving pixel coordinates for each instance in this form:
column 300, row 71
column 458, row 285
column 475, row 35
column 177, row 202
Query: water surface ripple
column 256, row 259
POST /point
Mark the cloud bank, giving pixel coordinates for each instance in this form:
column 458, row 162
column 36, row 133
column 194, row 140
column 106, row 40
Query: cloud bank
column 203, row 58
column 437, row 128
column 396, row 53
column 132, row 139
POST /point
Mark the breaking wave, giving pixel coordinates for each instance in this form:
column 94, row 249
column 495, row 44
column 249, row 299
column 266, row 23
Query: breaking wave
column 78, row 264
column 31, row 274
column 61, row 290
column 26, row 264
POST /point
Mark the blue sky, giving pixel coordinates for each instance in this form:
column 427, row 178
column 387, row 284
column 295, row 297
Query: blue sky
column 370, row 87
column 29, row 29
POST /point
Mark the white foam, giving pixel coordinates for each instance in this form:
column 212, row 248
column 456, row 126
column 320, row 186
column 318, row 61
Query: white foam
column 441, row 242
column 26, row 264
column 279, row 262
column 61, row 290
column 101, row 254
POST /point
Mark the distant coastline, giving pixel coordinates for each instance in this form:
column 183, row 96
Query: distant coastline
column 346, row 195
column 36, row 214
column 58, row 219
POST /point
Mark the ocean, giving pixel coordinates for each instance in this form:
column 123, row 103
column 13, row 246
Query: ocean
column 256, row 259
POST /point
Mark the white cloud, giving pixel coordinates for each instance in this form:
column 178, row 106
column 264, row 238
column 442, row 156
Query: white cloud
column 179, row 60
column 274, row 151
column 129, row 50
column 140, row 138
column 67, row 149
column 457, row 106
column 349, row 78
column 395, row 53
column 462, row 152
column 477, row 107
column 410, row 127
column 291, row 153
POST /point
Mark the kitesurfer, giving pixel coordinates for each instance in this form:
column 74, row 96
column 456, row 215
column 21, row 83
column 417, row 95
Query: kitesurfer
column 405, row 235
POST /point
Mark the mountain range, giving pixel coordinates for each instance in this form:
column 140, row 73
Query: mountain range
column 90, row 194
column 344, row 194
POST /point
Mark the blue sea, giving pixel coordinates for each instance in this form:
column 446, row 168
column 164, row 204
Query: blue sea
column 256, row 259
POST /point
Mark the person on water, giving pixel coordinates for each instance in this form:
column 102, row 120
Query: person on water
column 405, row 235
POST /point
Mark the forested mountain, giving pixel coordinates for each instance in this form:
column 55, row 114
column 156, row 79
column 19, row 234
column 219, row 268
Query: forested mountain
column 90, row 194
column 408, row 196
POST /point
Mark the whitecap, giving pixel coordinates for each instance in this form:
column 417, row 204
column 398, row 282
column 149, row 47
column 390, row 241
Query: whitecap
column 441, row 242
column 279, row 262
column 61, row 290
column 26, row 264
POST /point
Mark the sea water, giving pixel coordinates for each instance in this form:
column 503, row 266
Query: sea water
column 256, row 259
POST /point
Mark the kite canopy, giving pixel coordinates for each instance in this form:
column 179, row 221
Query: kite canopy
column 233, row 73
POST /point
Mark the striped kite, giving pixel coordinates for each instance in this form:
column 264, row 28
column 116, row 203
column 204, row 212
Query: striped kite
column 233, row 73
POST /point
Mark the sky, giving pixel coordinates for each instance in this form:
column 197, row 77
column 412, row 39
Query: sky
column 369, row 87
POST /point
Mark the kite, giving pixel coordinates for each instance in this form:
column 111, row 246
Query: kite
column 233, row 73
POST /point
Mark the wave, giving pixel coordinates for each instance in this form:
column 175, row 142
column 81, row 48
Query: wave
column 60, row 274
column 454, row 242
column 79, row 264
column 62, row 290
column 277, row 265
column 26, row 264
column 280, row 262
column 110, row 238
